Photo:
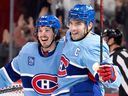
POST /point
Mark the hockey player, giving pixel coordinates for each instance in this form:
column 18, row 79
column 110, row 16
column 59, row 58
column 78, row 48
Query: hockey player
column 119, row 56
column 80, row 72
column 37, row 63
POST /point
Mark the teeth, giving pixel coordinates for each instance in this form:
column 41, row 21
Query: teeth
column 44, row 39
column 74, row 33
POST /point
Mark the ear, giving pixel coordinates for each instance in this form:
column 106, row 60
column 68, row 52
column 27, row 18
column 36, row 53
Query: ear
column 90, row 25
column 55, row 35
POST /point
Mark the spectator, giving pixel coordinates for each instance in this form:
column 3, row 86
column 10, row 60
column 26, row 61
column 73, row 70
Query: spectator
column 23, row 33
column 4, row 48
column 121, row 16
column 60, row 13
column 19, row 39
column 44, row 7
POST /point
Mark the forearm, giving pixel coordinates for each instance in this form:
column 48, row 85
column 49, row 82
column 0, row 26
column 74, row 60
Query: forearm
column 4, row 81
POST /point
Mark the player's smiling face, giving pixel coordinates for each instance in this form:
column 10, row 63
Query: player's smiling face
column 45, row 36
column 78, row 29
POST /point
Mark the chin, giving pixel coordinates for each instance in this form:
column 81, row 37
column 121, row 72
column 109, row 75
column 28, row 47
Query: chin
column 74, row 39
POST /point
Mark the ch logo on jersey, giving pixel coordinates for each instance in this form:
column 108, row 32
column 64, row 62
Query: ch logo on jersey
column 44, row 84
column 77, row 51
column 31, row 61
column 64, row 64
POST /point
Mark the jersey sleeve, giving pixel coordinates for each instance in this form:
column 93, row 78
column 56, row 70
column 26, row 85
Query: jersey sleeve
column 118, row 80
column 10, row 72
column 91, row 59
column 91, row 56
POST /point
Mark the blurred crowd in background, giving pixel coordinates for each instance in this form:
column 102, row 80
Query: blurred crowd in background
column 27, row 11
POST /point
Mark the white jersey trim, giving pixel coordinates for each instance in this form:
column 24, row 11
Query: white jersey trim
column 9, row 79
column 77, row 65
column 77, row 76
column 15, row 68
column 28, row 89
column 24, row 74
column 60, row 92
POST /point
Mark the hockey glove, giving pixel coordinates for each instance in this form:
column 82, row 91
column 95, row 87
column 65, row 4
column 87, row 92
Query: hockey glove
column 107, row 73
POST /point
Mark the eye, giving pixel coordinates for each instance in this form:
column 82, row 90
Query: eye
column 78, row 23
column 69, row 23
column 47, row 30
column 39, row 30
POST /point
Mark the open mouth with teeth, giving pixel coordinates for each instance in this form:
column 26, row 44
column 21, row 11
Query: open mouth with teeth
column 44, row 39
column 74, row 34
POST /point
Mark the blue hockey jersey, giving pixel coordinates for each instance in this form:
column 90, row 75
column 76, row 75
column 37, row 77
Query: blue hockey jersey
column 38, row 73
column 77, row 58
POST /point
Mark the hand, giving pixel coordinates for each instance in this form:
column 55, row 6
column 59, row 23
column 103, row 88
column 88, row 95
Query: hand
column 106, row 72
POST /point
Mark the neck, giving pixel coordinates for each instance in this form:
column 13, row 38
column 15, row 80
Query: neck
column 50, row 48
column 113, row 47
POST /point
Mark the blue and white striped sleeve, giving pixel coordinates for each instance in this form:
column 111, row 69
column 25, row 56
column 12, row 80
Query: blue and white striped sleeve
column 10, row 73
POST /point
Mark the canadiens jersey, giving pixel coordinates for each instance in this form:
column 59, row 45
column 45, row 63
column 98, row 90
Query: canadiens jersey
column 38, row 73
column 77, row 58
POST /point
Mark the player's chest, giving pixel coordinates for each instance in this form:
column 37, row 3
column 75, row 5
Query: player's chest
column 72, row 50
column 35, row 65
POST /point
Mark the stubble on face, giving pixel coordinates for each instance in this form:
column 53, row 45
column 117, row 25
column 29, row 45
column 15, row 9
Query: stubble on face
column 78, row 29
column 46, row 37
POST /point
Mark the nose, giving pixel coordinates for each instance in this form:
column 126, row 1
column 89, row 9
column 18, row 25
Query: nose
column 72, row 27
column 42, row 33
